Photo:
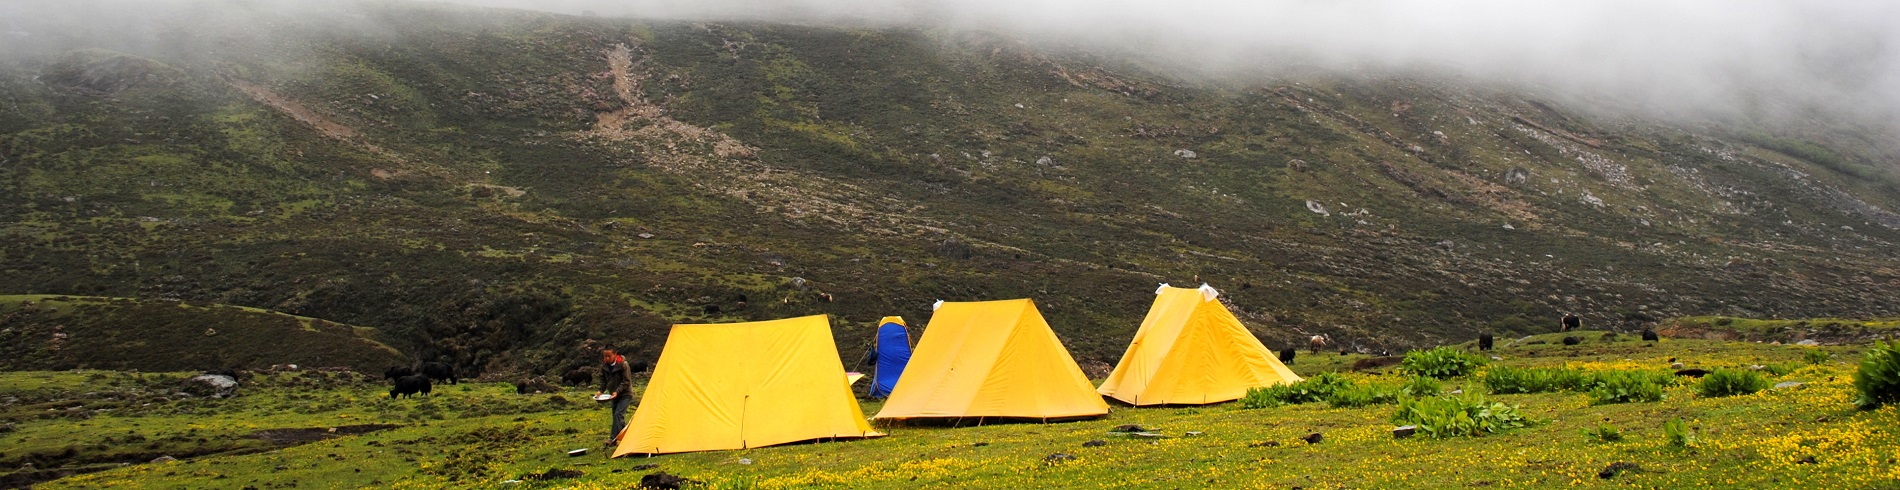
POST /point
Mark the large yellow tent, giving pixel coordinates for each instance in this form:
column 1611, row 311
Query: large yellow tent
column 1191, row 350
column 991, row 359
column 745, row 385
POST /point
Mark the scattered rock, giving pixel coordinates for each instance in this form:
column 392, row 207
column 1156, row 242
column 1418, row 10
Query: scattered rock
column 663, row 481
column 1194, row 433
column 1313, row 438
column 648, row 236
column 980, row 444
column 955, row 249
column 1404, row 431
column 211, row 332
column 1058, row 458
column 163, row 459
column 1572, row 340
column 1045, row 161
column 1617, row 468
column 1807, row 342
column 1788, row 384
column 1318, row 208
column 1805, row 460
column 1147, row 435
column 1516, row 176
column 1095, row 443
column 1296, row 164
column 745, row 460
column 644, row 467
column 1128, row 428
column 1264, row 444
column 1692, row 373
column 1186, row 153
column 1676, row 365
column 211, row 385
column 577, row 452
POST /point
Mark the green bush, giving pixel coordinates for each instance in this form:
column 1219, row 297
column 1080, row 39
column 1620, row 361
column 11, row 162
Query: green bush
column 1730, row 382
column 1506, row 380
column 1604, row 433
column 1317, row 388
column 1458, row 416
column 1355, row 396
column 1624, row 387
column 1441, row 362
column 1677, row 434
column 1816, row 356
column 1878, row 380
column 1421, row 387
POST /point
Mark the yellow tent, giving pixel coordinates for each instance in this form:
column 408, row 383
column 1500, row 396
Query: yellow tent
column 1191, row 350
column 745, row 385
column 991, row 359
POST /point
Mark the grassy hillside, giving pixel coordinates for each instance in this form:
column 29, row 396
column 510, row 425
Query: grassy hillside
column 493, row 188
column 66, row 332
column 479, row 435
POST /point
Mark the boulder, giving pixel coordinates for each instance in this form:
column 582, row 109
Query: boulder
column 1404, row 431
column 163, row 459
column 1572, row 340
column 662, row 481
column 1617, row 468
column 1095, row 443
column 1058, row 458
column 1313, row 438
column 211, row 385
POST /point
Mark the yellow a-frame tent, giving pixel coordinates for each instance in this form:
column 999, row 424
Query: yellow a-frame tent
column 745, row 385
column 1191, row 350
column 991, row 359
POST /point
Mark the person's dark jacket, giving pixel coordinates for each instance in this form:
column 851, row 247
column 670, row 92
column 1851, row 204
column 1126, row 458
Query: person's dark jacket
column 616, row 379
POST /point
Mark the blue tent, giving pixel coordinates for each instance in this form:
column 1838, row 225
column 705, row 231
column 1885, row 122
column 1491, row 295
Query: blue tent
column 890, row 354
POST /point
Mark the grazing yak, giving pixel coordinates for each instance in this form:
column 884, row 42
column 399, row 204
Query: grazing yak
column 578, row 377
column 438, row 371
column 413, row 384
column 397, row 372
column 1316, row 343
column 1286, row 355
column 1484, row 341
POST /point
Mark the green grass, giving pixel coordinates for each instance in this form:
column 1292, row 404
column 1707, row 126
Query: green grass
column 88, row 332
column 476, row 435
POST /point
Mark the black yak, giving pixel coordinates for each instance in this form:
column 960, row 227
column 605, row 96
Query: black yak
column 439, row 371
column 1286, row 355
column 1484, row 341
column 1649, row 335
column 410, row 385
column 578, row 377
column 397, row 372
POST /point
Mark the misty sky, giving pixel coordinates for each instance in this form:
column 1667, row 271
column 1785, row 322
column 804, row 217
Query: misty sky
column 1683, row 54
column 1689, row 56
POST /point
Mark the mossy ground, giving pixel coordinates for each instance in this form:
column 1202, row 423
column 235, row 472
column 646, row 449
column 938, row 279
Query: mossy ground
column 479, row 435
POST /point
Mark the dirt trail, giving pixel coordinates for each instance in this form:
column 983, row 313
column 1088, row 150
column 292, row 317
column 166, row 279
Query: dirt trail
column 295, row 110
column 327, row 127
column 723, row 164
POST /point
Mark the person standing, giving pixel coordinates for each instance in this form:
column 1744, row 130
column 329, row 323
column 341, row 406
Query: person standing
column 616, row 379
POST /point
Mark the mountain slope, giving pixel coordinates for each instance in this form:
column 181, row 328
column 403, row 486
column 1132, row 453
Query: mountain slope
column 494, row 187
